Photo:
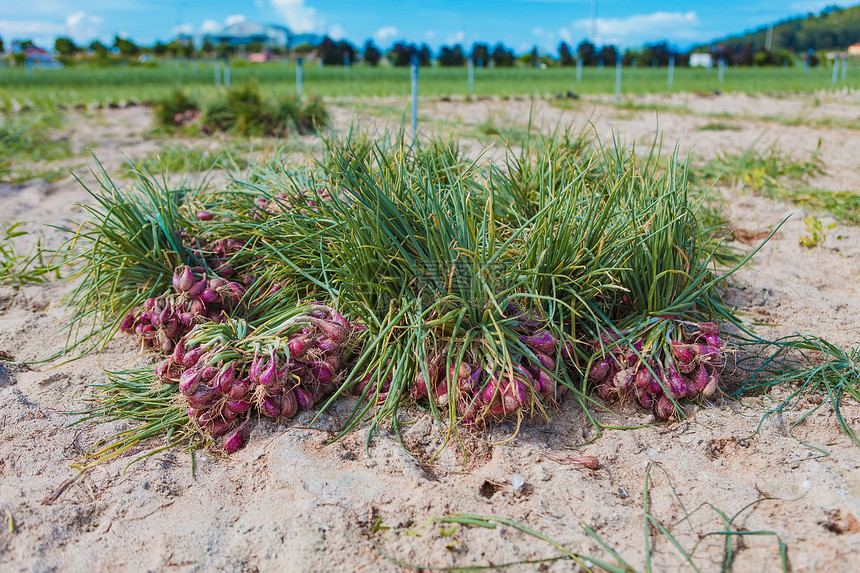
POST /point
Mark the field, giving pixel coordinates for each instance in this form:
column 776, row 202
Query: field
column 139, row 84
column 740, row 484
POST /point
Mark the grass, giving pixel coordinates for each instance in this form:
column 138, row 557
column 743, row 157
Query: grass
column 808, row 367
column 184, row 159
column 27, row 137
column 773, row 174
column 680, row 536
column 17, row 269
column 72, row 86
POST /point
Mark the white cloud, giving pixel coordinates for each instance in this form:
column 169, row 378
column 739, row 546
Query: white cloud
column 83, row 27
column 565, row 35
column 210, row 27
column 336, row 32
column 385, row 34
column 41, row 32
column 641, row 28
column 234, row 19
column 299, row 18
column 183, row 29
column 546, row 38
column 429, row 35
column 456, row 38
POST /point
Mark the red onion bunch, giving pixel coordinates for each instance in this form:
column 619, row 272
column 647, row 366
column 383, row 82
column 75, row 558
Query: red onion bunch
column 687, row 366
column 283, row 203
column 482, row 386
column 163, row 320
column 217, row 253
column 273, row 375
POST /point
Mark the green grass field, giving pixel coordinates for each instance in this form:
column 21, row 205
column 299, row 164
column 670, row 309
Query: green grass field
column 72, row 86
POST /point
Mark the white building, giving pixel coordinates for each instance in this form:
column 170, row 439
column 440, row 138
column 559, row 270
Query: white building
column 701, row 61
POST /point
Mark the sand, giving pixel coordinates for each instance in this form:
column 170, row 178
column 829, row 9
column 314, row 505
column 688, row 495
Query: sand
column 288, row 502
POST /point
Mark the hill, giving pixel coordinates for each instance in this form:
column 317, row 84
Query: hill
column 833, row 28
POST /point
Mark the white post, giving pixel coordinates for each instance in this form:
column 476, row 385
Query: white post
column 299, row 63
column 578, row 68
column 721, row 71
column 217, row 68
column 671, row 72
column 835, row 69
column 414, row 97
column 618, row 79
column 227, row 73
column 470, row 67
column 844, row 68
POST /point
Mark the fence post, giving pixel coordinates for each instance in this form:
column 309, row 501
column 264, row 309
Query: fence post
column 721, row 70
column 671, row 79
column 414, row 76
column 299, row 63
column 227, row 73
column 578, row 68
column 217, row 68
column 470, row 66
column 835, row 69
column 618, row 79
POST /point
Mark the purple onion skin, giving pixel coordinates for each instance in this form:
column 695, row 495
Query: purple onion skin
column 271, row 407
column 233, row 440
column 712, row 385
column 700, row 379
column 646, row 399
column 600, row 370
column 664, row 407
column 204, row 216
column 321, row 371
column 709, row 328
column 184, row 279
column 289, row 404
column 303, row 398
column 197, row 288
column 240, row 388
column 209, row 296
column 542, row 340
column 237, row 406
column 682, row 352
column 643, row 378
column 268, row 374
column 127, row 323
column 189, row 381
column 218, row 427
column 334, row 331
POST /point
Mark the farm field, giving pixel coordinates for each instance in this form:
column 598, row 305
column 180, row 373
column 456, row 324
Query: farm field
column 733, row 488
column 83, row 86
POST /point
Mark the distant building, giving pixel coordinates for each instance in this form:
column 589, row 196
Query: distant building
column 854, row 49
column 701, row 61
column 244, row 33
column 37, row 57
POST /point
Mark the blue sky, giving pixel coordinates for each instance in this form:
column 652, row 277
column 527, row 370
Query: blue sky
column 520, row 24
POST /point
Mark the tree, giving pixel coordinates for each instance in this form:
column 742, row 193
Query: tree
column 401, row 54
column 659, row 52
column 372, row 55
column 608, row 54
column 207, row 47
column 451, row 56
column 159, row 49
column 587, row 53
column 565, row 58
column 480, row 54
column 424, row 55
column 1, row 45
column 65, row 46
column 335, row 53
column 502, row 56
column 125, row 46
column 100, row 49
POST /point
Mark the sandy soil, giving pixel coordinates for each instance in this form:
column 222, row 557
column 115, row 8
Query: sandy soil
column 287, row 502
